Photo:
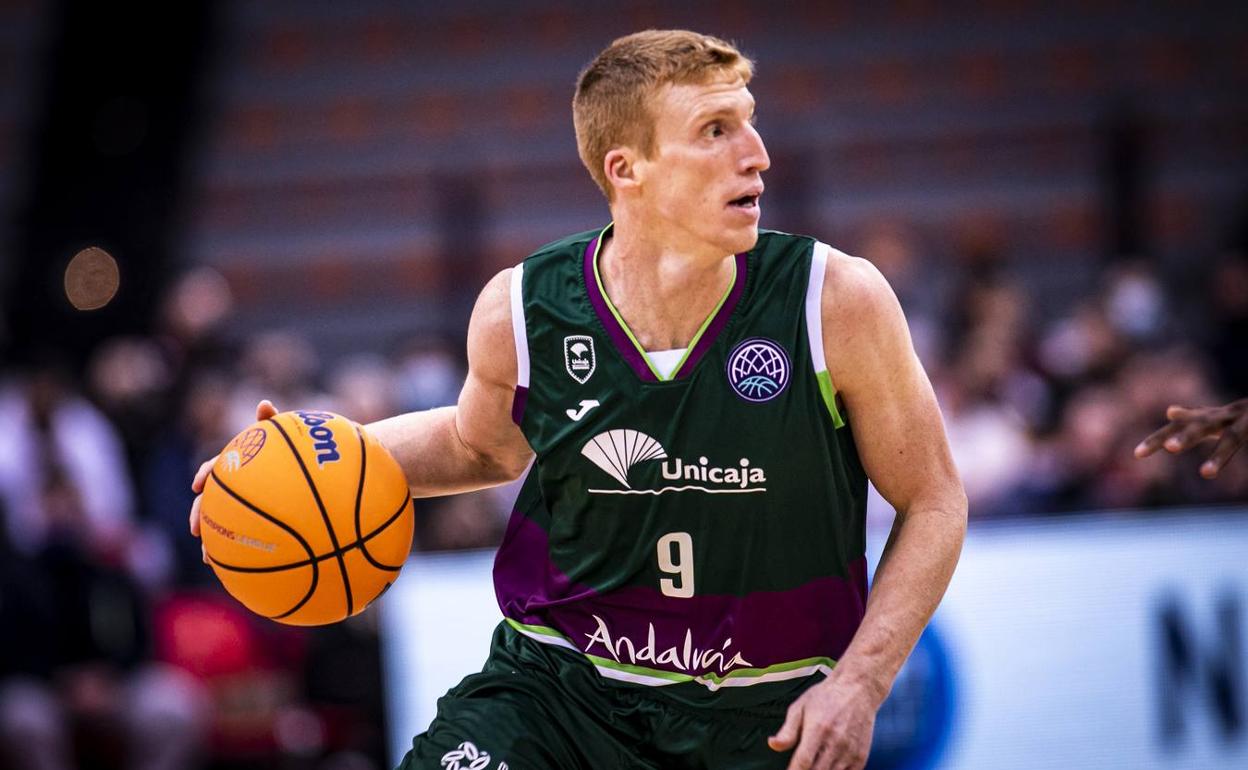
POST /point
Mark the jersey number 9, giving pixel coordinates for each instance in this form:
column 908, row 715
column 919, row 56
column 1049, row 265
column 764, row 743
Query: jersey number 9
column 676, row 558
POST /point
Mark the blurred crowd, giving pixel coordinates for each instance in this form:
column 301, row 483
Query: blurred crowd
column 1044, row 404
column 120, row 650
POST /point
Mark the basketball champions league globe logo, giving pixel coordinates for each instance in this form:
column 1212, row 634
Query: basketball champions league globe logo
column 758, row 369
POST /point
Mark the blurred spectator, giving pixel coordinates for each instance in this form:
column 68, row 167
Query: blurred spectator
column 363, row 388
column 1135, row 303
column 130, row 380
column 1227, row 290
column 45, row 424
column 341, row 674
column 917, row 281
column 249, row 669
column 196, row 432
column 429, row 375
column 192, row 314
column 85, row 692
column 1082, row 346
column 991, row 448
column 459, row 522
column 278, row 365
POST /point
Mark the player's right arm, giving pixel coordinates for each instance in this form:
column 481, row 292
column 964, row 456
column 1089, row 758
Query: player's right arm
column 471, row 445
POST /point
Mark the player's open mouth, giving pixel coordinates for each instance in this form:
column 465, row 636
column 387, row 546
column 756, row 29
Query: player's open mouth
column 745, row 201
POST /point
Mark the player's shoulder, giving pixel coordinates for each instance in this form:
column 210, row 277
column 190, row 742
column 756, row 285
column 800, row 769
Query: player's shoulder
column 781, row 258
column 845, row 275
column 857, row 297
column 495, row 299
column 493, row 312
column 853, row 275
column 559, row 249
column 778, row 242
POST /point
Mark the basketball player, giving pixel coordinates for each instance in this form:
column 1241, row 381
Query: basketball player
column 1190, row 427
column 683, row 580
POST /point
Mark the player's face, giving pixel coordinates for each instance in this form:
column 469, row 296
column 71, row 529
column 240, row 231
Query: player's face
column 704, row 177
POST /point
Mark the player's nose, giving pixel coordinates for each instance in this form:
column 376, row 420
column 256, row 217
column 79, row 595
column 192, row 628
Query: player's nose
column 754, row 158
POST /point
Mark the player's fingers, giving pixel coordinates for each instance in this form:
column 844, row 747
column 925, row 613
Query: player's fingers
column 850, row 760
column 1190, row 435
column 1233, row 437
column 831, row 758
column 201, row 475
column 836, row 752
column 203, row 549
column 787, row 735
column 1181, row 413
column 194, row 518
column 807, row 753
column 265, row 409
column 1154, row 440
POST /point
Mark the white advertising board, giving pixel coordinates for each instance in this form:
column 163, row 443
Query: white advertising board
column 1115, row 641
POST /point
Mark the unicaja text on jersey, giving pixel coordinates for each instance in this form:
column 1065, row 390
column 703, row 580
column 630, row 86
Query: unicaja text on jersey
column 740, row 477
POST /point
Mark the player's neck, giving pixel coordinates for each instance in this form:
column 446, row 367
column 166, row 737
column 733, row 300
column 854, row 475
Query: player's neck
column 663, row 290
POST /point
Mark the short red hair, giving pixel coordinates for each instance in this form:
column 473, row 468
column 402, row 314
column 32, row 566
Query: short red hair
column 613, row 93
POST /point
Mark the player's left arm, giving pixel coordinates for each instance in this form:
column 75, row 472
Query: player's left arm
column 901, row 440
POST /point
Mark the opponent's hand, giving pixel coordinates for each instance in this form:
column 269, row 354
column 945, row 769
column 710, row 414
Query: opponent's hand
column 264, row 410
column 1189, row 427
column 831, row 725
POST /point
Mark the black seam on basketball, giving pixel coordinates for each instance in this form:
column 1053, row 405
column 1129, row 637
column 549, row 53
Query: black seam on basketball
column 359, row 495
column 329, row 527
column 316, row 558
column 407, row 500
column 316, row 572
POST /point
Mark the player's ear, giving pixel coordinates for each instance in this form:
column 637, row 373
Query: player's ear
column 619, row 164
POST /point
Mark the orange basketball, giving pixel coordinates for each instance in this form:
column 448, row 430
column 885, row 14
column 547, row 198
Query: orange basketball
column 306, row 518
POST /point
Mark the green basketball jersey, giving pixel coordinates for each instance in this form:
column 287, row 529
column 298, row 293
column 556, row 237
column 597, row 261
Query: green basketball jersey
column 703, row 533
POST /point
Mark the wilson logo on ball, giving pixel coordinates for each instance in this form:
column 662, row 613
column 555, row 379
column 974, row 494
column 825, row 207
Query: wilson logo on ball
column 325, row 446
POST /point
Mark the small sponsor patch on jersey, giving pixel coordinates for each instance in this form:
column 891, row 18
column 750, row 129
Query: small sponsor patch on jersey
column 758, row 369
column 575, row 415
column 466, row 756
column 578, row 357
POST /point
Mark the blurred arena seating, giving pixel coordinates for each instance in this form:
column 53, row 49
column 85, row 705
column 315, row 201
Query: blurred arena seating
column 377, row 156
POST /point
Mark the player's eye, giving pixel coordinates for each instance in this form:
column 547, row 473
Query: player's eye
column 715, row 129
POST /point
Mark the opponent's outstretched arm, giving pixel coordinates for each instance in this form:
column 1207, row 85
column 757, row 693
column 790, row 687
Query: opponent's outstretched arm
column 1228, row 425
column 469, row 446
column 901, row 440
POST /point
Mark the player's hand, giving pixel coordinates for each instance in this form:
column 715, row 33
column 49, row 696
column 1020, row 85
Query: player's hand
column 831, row 725
column 264, row 410
column 1189, row 427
